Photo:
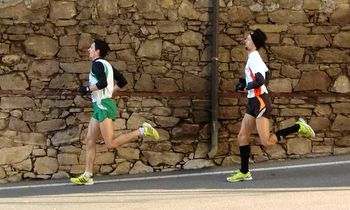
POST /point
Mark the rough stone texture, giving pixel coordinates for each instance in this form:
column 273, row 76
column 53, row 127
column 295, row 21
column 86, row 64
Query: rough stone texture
column 163, row 48
column 41, row 46
column 313, row 81
column 14, row 154
column 298, row 146
column 46, row 165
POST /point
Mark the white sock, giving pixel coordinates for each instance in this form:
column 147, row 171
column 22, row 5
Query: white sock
column 142, row 130
column 87, row 174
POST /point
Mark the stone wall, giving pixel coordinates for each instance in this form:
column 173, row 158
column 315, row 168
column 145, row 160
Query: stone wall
column 163, row 49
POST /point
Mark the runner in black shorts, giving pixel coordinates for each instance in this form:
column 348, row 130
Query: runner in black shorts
column 259, row 107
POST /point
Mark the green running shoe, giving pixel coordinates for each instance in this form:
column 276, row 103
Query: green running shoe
column 149, row 131
column 237, row 176
column 305, row 129
column 82, row 180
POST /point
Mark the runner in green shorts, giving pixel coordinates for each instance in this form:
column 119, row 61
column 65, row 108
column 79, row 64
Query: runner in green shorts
column 101, row 87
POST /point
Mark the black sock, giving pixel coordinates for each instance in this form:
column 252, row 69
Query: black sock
column 284, row 132
column 244, row 153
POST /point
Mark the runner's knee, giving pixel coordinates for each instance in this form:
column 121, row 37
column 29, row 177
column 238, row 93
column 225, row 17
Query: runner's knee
column 242, row 138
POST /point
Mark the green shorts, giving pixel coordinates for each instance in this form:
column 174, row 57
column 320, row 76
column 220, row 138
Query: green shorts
column 106, row 108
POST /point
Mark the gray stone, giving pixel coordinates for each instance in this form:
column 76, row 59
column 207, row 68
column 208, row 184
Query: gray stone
column 139, row 167
column 201, row 151
column 25, row 165
column 199, row 163
column 166, row 122
column 41, row 46
column 341, row 123
column 43, row 69
column 168, row 46
column 144, row 83
column 341, row 15
column 170, row 27
column 33, row 116
column 239, row 54
column 187, row 10
column 51, row 125
column 126, row 3
column 67, row 136
column 341, row 84
column 312, row 41
column 312, row 4
column 194, row 83
column 342, row 40
column 124, row 168
column 67, row 159
column 190, row 54
column 16, row 102
column 2, row 173
column 62, row 10
column 105, row 158
column 228, row 113
column 236, row 14
column 276, row 152
column 14, row 154
column 64, row 82
column 162, row 158
column 129, row 54
column 135, row 121
column 290, row 71
column 190, row 38
column 107, row 8
column 150, row 102
column 320, row 123
column 161, row 111
column 128, row 153
column 18, row 125
column 298, row 146
column 4, row 48
column 150, row 9
column 150, row 49
column 280, row 85
column 291, row 53
column 332, row 56
column 36, row 4
column 155, row 70
column 313, row 81
column 11, row 59
column 45, row 165
column 19, row 11
column 14, row 81
column 295, row 112
column 48, row 104
column 343, row 142
column 288, row 16
column 60, row 175
column 166, row 85
column 32, row 139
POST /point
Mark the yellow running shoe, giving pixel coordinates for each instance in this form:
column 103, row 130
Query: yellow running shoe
column 305, row 129
column 82, row 180
column 239, row 176
column 149, row 131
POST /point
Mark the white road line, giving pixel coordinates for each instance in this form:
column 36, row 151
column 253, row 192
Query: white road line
column 179, row 175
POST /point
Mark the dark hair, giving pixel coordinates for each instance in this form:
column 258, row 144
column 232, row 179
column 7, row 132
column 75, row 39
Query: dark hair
column 102, row 46
column 258, row 37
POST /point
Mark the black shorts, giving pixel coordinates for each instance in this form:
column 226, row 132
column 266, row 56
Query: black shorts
column 259, row 106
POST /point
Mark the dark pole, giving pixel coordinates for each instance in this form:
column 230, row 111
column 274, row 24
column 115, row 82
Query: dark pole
column 214, row 82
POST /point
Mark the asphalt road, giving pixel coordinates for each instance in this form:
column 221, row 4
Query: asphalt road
column 319, row 183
